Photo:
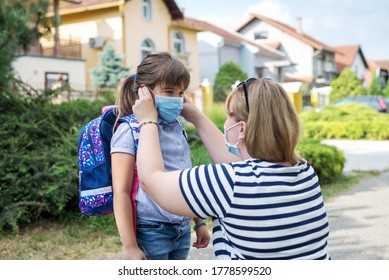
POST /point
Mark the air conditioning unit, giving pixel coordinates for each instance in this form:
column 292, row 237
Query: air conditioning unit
column 96, row 42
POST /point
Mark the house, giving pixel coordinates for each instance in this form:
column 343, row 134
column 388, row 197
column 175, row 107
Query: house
column 379, row 68
column 217, row 46
column 135, row 28
column 313, row 62
column 351, row 56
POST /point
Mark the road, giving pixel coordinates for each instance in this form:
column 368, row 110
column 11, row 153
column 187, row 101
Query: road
column 359, row 222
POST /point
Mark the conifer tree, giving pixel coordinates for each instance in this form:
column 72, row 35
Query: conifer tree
column 228, row 74
column 20, row 26
column 111, row 69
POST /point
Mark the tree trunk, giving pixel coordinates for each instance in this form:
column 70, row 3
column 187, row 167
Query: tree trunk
column 57, row 49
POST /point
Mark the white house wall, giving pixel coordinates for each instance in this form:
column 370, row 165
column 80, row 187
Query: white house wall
column 230, row 53
column 34, row 75
column 213, row 53
column 296, row 50
column 247, row 61
column 359, row 67
column 209, row 61
column 209, row 45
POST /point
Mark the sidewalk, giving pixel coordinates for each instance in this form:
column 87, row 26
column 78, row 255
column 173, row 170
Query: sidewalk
column 359, row 221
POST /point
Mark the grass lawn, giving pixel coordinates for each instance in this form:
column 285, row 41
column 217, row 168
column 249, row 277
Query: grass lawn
column 96, row 238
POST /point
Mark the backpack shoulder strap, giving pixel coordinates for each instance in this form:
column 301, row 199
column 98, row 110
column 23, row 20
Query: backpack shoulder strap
column 134, row 125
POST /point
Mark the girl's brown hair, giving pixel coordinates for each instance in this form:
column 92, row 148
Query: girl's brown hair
column 273, row 127
column 155, row 69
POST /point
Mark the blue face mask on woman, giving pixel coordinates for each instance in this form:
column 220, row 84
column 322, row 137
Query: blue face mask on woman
column 169, row 108
column 231, row 148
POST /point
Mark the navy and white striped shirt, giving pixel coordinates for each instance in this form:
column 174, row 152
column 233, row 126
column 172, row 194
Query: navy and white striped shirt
column 260, row 210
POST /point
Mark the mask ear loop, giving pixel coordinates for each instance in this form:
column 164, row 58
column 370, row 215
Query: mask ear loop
column 239, row 139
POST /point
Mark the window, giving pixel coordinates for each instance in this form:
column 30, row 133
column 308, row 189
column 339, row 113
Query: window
column 147, row 47
column 178, row 43
column 54, row 80
column 260, row 35
column 146, row 9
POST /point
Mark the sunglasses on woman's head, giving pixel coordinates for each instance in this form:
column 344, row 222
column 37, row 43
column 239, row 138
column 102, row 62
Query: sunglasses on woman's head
column 244, row 84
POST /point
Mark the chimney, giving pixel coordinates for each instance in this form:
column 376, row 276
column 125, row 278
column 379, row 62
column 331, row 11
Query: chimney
column 299, row 25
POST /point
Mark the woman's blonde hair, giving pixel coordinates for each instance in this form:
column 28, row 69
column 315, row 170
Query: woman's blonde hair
column 155, row 69
column 273, row 127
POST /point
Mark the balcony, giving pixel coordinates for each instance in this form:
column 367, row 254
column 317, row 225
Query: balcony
column 68, row 48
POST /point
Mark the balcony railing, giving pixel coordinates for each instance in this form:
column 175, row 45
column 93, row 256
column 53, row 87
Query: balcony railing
column 68, row 48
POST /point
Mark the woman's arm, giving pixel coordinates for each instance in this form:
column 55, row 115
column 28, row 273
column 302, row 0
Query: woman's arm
column 122, row 176
column 211, row 136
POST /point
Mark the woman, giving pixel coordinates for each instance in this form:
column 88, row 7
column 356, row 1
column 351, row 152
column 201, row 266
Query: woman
column 266, row 203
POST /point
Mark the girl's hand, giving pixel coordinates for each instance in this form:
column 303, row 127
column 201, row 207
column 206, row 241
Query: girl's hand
column 202, row 238
column 133, row 253
column 144, row 108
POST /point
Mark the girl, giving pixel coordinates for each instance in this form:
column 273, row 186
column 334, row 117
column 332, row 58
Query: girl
column 160, row 234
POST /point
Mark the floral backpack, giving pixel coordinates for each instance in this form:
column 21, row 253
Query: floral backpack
column 94, row 161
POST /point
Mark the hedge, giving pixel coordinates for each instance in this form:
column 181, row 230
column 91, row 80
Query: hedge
column 350, row 121
column 38, row 157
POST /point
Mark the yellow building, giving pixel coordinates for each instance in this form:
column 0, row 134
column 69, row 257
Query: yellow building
column 134, row 27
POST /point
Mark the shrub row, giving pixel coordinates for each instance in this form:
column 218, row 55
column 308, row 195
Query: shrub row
column 38, row 157
column 350, row 121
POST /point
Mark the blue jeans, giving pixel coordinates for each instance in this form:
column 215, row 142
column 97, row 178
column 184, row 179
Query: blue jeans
column 163, row 241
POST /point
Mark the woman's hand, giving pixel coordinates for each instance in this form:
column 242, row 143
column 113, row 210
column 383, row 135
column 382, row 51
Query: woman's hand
column 144, row 108
column 190, row 112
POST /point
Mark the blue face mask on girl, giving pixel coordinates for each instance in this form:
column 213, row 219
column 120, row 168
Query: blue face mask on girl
column 169, row 108
column 231, row 148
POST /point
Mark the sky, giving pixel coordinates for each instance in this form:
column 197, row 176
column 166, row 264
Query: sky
column 332, row 22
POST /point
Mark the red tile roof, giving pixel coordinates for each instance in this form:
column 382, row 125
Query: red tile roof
column 286, row 28
column 345, row 56
column 227, row 35
column 384, row 64
column 66, row 6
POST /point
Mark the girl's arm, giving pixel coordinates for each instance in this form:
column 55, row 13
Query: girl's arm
column 122, row 176
column 211, row 136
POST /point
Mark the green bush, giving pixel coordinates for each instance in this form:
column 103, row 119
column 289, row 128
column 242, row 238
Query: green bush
column 327, row 161
column 351, row 121
column 346, row 84
column 38, row 157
